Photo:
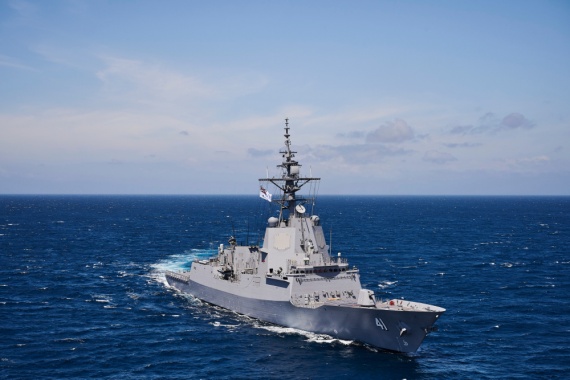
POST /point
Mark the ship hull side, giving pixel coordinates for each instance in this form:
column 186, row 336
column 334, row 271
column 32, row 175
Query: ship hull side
column 394, row 330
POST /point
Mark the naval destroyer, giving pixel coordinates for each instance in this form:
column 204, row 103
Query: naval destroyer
column 293, row 280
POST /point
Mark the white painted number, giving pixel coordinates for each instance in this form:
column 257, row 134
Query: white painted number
column 380, row 323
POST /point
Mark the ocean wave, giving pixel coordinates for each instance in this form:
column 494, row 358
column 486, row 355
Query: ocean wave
column 387, row 284
column 310, row 336
column 226, row 325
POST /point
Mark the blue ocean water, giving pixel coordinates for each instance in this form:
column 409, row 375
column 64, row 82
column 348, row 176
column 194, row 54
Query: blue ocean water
column 82, row 290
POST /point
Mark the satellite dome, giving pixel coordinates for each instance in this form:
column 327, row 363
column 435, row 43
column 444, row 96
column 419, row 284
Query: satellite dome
column 316, row 220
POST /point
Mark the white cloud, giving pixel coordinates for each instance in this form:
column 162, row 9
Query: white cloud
column 75, row 58
column 354, row 155
column 131, row 76
column 63, row 134
column 528, row 162
column 143, row 82
column 516, row 120
column 391, row 132
column 260, row 152
column 490, row 123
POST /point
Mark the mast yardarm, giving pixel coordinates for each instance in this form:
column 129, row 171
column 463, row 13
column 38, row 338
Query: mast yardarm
column 291, row 180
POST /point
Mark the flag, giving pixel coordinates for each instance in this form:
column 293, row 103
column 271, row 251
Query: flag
column 264, row 194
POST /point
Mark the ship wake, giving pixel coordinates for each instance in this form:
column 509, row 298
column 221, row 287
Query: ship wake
column 309, row 336
column 177, row 262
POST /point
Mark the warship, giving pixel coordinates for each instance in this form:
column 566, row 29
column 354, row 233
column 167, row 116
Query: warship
column 292, row 279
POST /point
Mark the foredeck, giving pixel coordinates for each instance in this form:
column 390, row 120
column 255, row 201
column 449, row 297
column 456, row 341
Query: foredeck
column 404, row 305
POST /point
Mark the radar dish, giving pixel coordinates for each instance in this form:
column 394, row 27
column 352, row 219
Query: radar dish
column 300, row 209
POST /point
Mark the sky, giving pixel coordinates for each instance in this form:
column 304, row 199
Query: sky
column 190, row 97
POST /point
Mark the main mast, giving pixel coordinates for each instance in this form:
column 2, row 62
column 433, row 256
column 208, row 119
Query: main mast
column 291, row 180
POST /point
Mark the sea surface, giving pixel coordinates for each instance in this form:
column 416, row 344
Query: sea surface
column 83, row 294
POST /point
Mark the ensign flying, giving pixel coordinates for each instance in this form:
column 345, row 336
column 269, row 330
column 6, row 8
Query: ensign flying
column 264, row 194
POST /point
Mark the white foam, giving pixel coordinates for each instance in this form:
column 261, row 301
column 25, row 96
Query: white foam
column 310, row 336
column 219, row 324
column 102, row 298
column 122, row 273
column 386, row 284
column 177, row 263
column 133, row 296
column 183, row 261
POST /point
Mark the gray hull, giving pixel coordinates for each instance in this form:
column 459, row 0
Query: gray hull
column 394, row 330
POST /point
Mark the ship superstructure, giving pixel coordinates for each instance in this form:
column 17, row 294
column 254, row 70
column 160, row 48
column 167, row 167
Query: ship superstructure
column 293, row 280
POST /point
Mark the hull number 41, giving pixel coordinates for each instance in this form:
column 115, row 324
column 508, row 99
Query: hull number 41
column 380, row 323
